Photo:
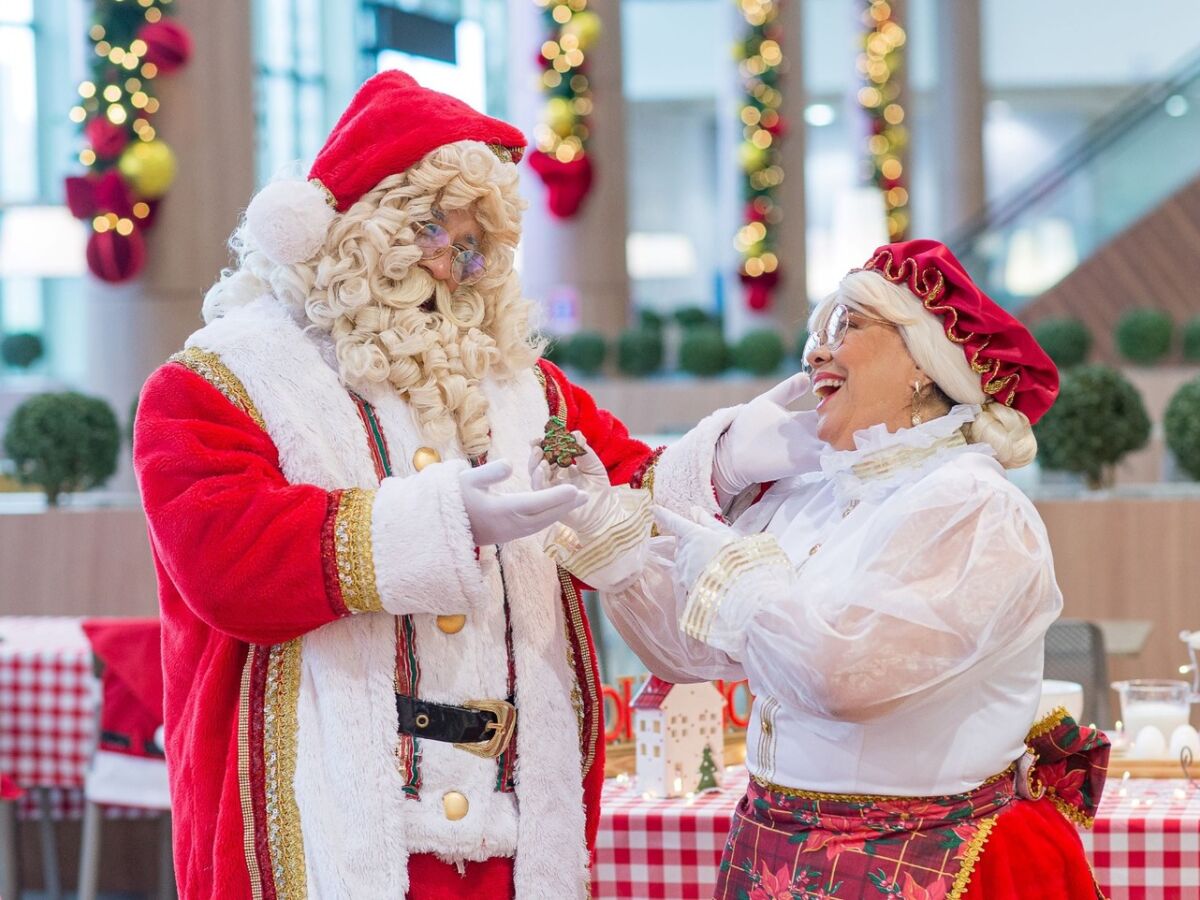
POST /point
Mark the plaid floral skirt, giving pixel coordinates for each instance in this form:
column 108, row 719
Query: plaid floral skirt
column 796, row 845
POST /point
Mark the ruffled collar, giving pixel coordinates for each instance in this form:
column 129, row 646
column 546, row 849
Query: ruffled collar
column 880, row 457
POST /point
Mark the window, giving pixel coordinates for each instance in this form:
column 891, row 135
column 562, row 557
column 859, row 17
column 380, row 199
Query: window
column 41, row 63
column 657, row 726
column 291, row 86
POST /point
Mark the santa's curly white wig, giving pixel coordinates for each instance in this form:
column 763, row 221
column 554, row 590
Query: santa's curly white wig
column 365, row 288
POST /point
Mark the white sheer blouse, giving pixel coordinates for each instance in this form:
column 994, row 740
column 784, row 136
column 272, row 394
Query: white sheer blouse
column 897, row 649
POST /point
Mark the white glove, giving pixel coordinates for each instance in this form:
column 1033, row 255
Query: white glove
column 499, row 518
column 601, row 509
column 697, row 541
column 603, row 542
column 767, row 441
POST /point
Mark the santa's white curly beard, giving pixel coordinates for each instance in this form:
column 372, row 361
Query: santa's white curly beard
column 424, row 341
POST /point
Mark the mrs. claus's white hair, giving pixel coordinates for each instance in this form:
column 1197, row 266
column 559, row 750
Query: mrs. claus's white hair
column 1006, row 430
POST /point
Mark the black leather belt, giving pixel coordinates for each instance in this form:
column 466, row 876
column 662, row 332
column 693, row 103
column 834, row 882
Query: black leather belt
column 482, row 727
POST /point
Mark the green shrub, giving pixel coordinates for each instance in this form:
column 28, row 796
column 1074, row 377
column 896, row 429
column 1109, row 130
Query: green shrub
column 694, row 317
column 648, row 318
column 1181, row 425
column 703, row 352
column 1067, row 341
column 639, row 351
column 63, row 442
column 1191, row 340
column 1144, row 336
column 21, row 350
column 585, row 351
column 1098, row 418
column 758, row 352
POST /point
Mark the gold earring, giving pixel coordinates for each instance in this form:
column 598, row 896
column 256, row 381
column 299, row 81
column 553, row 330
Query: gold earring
column 916, row 400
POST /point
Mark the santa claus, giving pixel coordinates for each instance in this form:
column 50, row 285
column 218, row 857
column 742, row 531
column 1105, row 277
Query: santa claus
column 377, row 683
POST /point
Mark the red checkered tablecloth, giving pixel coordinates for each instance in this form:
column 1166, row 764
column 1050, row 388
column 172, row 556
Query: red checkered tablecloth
column 47, row 706
column 1145, row 845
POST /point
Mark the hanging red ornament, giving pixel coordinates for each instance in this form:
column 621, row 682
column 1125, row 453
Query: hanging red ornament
column 105, row 138
column 759, row 288
column 116, row 257
column 168, row 45
column 567, row 183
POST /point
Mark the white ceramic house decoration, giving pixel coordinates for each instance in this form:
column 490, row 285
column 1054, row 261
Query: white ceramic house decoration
column 672, row 724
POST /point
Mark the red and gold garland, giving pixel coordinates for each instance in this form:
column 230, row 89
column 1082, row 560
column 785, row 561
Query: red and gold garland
column 561, row 158
column 129, row 167
column 761, row 65
column 879, row 63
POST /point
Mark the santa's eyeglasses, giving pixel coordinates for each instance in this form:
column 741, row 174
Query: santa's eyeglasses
column 466, row 267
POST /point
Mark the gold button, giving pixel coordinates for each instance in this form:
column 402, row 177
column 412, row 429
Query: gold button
column 452, row 624
column 424, row 457
column 422, row 720
column 455, row 805
column 766, row 726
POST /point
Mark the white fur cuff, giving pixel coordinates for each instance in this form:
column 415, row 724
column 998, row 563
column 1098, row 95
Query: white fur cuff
column 423, row 548
column 683, row 474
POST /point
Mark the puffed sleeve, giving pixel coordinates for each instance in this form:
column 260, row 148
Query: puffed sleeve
column 954, row 571
column 646, row 613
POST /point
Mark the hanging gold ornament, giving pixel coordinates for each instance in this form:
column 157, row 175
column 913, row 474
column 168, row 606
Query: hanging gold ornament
column 149, row 167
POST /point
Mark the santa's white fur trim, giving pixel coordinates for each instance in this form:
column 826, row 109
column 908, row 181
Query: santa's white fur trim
column 287, row 220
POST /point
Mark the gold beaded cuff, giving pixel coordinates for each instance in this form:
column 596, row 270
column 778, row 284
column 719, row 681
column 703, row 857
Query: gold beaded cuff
column 354, row 553
column 712, row 587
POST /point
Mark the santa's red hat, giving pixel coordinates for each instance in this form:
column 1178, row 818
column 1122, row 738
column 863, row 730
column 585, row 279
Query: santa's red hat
column 391, row 123
column 1012, row 368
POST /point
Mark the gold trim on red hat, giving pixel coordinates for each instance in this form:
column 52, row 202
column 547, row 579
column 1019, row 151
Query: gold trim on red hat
column 507, row 154
column 330, row 200
column 929, row 285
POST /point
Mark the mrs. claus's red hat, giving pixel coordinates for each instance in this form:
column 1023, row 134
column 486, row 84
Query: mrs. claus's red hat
column 1012, row 368
column 391, row 123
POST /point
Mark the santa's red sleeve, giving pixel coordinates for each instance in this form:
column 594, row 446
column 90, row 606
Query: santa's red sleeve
column 265, row 560
column 627, row 459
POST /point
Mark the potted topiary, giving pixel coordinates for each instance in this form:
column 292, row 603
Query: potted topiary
column 640, row 351
column 703, row 352
column 1144, row 336
column 1181, row 425
column 693, row 317
column 63, row 442
column 1191, row 340
column 585, row 351
column 759, row 352
column 1098, row 418
column 21, row 349
column 1067, row 341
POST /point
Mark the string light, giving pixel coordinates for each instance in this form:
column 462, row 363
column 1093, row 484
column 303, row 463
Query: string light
column 879, row 64
column 761, row 63
column 563, row 130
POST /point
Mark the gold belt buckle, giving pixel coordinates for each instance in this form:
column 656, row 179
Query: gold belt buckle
column 501, row 731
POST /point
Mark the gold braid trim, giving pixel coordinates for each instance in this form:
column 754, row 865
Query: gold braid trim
column 243, row 756
column 279, row 747
column 734, row 559
column 209, row 367
column 1073, row 814
column 974, row 851
column 354, row 552
column 1047, row 723
column 885, row 462
column 867, row 798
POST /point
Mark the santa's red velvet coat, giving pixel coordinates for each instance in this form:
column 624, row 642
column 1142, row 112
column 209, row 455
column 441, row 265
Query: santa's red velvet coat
column 300, row 591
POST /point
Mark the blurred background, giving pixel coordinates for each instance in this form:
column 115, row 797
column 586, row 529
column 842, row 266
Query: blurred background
column 700, row 171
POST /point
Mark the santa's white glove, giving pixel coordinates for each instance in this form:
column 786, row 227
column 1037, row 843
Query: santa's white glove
column 767, row 441
column 498, row 518
column 604, row 541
